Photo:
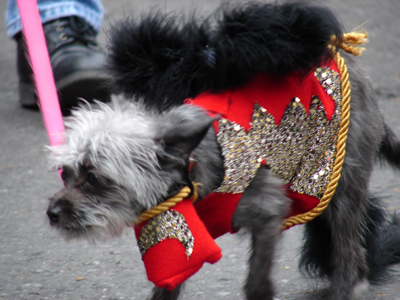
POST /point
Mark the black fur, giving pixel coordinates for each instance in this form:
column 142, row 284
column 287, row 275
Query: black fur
column 163, row 294
column 166, row 61
column 313, row 254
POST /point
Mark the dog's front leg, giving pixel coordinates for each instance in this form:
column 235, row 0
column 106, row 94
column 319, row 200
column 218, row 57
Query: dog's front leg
column 261, row 211
column 163, row 294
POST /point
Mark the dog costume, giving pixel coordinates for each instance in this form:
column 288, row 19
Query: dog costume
column 267, row 71
column 288, row 123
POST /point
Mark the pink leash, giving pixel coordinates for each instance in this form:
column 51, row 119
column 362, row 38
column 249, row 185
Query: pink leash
column 43, row 74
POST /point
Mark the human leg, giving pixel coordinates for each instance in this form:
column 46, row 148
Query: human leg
column 70, row 28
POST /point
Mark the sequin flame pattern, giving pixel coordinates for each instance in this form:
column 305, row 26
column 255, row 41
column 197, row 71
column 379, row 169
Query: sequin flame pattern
column 300, row 151
column 171, row 224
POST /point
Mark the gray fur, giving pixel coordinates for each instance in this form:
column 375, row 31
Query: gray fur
column 118, row 141
column 141, row 156
column 137, row 165
column 260, row 212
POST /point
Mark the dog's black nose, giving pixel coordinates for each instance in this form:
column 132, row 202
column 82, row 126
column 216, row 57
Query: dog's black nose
column 54, row 214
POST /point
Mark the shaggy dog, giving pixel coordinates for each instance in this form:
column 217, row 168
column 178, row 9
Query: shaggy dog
column 122, row 159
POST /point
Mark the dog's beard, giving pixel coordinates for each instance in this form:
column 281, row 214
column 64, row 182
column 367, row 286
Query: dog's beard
column 94, row 217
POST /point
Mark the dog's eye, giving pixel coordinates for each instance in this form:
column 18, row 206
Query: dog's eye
column 93, row 180
column 64, row 176
column 66, row 173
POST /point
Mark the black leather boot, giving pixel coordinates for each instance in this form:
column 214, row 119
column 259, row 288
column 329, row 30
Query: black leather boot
column 76, row 60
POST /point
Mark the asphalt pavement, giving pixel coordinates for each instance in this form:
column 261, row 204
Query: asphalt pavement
column 36, row 263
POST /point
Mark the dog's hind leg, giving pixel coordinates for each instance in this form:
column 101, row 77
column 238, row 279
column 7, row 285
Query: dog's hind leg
column 334, row 246
column 317, row 248
column 337, row 236
column 163, row 294
column 347, row 218
column 260, row 212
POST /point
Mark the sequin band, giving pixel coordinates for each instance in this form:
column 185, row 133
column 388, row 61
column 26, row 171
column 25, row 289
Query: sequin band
column 171, row 224
column 300, row 151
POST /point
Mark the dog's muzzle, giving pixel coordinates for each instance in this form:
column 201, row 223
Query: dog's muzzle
column 59, row 209
column 54, row 214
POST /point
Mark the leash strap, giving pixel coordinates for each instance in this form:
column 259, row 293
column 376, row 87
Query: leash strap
column 43, row 74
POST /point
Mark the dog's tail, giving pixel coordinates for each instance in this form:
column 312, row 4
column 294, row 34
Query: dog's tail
column 165, row 59
column 389, row 150
column 382, row 241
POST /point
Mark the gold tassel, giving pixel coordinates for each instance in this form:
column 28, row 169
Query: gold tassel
column 352, row 41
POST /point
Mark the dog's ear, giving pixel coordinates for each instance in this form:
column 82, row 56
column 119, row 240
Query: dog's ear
column 183, row 128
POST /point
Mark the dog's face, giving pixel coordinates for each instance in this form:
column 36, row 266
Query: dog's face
column 118, row 161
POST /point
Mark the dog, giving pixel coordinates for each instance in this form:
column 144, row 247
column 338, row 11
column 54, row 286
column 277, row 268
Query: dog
column 122, row 159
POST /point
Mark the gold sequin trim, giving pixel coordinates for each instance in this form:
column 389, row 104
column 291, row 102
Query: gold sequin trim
column 300, row 151
column 171, row 224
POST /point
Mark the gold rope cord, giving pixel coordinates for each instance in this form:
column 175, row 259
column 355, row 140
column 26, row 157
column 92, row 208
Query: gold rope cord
column 340, row 152
column 167, row 204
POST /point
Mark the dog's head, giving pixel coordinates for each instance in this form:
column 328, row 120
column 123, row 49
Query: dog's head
column 119, row 160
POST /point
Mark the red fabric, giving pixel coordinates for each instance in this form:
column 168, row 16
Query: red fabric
column 166, row 263
column 301, row 203
column 271, row 92
column 216, row 212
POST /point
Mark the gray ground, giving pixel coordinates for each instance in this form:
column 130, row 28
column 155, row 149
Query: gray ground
column 36, row 263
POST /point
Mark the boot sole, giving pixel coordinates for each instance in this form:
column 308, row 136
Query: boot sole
column 27, row 95
column 86, row 85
